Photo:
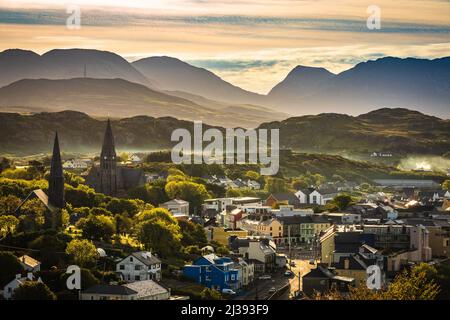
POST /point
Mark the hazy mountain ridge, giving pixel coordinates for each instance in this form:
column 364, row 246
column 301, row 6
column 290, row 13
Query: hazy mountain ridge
column 322, row 133
column 121, row 98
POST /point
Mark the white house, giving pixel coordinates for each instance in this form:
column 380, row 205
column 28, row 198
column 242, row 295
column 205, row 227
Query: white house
column 135, row 158
column 252, row 184
column 247, row 274
column 8, row 289
column 30, row 264
column 176, row 207
column 75, row 164
column 138, row 266
column 315, row 196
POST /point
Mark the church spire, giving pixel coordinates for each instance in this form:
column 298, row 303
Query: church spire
column 108, row 148
column 56, row 177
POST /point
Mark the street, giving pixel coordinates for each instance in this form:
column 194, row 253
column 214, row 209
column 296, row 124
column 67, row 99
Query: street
column 260, row 288
column 301, row 267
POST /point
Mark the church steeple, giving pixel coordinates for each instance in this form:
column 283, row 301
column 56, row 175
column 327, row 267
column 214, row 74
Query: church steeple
column 56, row 178
column 108, row 164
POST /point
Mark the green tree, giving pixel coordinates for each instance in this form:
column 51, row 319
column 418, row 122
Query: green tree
column 252, row 175
column 298, row 184
column 192, row 192
column 123, row 223
column 33, row 290
column 192, row 234
column 9, row 204
column 446, row 185
column 8, row 224
column 156, row 214
column 275, row 185
column 210, row 294
column 160, row 237
column 97, row 227
column 342, row 201
column 83, row 252
column 10, row 266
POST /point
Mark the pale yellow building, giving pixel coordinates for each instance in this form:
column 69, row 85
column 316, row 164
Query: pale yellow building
column 221, row 235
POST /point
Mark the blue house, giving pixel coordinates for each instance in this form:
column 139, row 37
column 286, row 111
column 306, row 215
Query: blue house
column 214, row 272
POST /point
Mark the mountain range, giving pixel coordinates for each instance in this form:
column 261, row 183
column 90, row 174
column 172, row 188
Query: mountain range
column 418, row 84
column 400, row 131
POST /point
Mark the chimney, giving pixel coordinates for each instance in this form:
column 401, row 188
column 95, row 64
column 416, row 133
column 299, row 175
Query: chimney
column 30, row 276
column 23, row 258
column 346, row 264
column 18, row 276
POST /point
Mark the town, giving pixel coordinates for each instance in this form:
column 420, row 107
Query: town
column 143, row 228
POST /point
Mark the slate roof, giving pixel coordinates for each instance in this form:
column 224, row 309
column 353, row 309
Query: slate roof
column 290, row 197
column 110, row 289
column 147, row 260
column 146, row 288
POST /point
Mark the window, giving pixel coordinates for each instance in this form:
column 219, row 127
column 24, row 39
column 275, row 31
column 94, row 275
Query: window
column 131, row 259
column 208, row 269
column 122, row 267
column 232, row 277
column 208, row 278
column 314, row 199
column 137, row 278
column 137, row 267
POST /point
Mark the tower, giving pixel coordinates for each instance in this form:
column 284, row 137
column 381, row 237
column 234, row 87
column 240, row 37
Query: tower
column 56, row 178
column 108, row 164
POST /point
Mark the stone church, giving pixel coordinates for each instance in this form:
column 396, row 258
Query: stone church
column 110, row 178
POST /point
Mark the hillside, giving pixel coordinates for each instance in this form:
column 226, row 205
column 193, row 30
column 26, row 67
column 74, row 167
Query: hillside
column 399, row 131
column 120, row 98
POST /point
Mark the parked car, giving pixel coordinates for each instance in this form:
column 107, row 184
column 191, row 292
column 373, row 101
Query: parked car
column 272, row 290
column 288, row 273
column 292, row 264
column 265, row 277
column 312, row 261
column 228, row 291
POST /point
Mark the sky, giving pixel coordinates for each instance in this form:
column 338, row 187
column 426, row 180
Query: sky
column 250, row 43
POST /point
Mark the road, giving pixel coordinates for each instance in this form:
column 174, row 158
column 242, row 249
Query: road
column 302, row 267
column 260, row 288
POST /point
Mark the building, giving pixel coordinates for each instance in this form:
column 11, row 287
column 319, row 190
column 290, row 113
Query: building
column 323, row 279
column 214, row 272
column 264, row 227
column 259, row 249
column 138, row 266
column 54, row 201
column 109, row 178
column 315, row 196
column 287, row 210
column 177, row 207
column 148, row 290
column 108, row 292
column 247, row 271
column 407, row 183
column 30, row 264
column 222, row 235
column 287, row 198
column 74, row 164
column 302, row 229
column 8, row 289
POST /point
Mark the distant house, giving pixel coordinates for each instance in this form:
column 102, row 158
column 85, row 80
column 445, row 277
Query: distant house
column 433, row 195
column 288, row 198
column 323, row 279
column 256, row 249
column 315, row 196
column 108, row 292
column 135, row 158
column 408, row 183
column 75, row 164
column 30, row 264
column 140, row 266
column 8, row 289
column 149, row 290
column 177, row 207
column 246, row 271
column 252, row 184
column 214, row 272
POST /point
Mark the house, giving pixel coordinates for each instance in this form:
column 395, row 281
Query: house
column 247, row 271
column 264, row 227
column 108, row 292
column 302, row 229
column 315, row 196
column 214, row 272
column 323, row 279
column 408, row 183
column 30, row 264
column 259, row 249
column 75, row 164
column 138, row 266
column 219, row 204
column 287, row 210
column 433, row 196
column 8, row 289
column 221, row 235
column 134, row 158
column 254, row 185
column 148, row 290
column 343, row 218
column 288, row 198
column 177, row 207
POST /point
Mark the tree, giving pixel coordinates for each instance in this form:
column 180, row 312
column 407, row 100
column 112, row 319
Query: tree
column 298, row 184
column 275, row 185
column 253, row 175
column 8, row 224
column 160, row 237
column 9, row 204
column 210, row 294
column 97, row 227
column 342, row 201
column 446, row 185
column 10, row 266
column 123, row 223
column 192, row 192
column 157, row 193
column 33, row 290
column 415, row 284
column 83, row 252
column 193, row 234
